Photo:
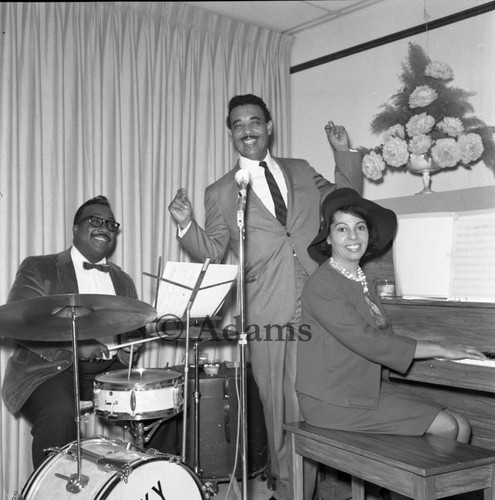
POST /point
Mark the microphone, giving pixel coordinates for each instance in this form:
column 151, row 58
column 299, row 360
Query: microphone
column 243, row 178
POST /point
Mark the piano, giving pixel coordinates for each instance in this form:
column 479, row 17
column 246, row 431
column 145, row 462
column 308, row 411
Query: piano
column 467, row 386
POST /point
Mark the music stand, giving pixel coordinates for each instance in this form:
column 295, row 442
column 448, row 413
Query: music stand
column 191, row 291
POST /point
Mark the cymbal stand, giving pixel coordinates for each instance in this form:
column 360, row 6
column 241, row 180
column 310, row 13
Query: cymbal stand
column 242, row 346
column 76, row 482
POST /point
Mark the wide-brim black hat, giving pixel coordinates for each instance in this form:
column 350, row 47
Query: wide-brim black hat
column 384, row 220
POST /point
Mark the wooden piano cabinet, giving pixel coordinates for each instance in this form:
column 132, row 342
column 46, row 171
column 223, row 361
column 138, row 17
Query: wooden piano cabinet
column 469, row 389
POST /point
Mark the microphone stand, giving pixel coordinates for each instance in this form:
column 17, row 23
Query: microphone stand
column 242, row 344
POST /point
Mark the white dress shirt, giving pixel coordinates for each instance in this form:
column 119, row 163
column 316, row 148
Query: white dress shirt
column 258, row 180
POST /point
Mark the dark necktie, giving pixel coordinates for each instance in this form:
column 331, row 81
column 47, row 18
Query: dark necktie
column 104, row 268
column 278, row 200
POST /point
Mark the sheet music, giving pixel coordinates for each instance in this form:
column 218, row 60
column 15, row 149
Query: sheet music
column 179, row 280
column 446, row 255
column 474, row 256
column 423, row 254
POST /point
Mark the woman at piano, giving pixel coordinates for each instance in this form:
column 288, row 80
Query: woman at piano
column 349, row 348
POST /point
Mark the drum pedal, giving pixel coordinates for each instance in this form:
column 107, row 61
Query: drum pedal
column 210, row 489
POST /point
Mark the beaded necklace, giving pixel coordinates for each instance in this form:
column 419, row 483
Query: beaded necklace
column 380, row 320
column 361, row 277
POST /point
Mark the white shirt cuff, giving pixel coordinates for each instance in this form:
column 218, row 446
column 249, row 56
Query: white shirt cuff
column 181, row 232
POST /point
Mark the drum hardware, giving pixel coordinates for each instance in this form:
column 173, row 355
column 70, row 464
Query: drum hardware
column 50, row 317
column 75, row 484
column 116, row 473
column 78, row 481
column 197, row 395
column 86, row 407
column 138, row 432
column 106, row 462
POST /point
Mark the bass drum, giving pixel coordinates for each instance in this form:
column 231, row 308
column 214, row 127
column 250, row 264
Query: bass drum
column 114, row 473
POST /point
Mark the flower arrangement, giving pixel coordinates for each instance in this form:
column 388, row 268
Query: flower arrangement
column 428, row 117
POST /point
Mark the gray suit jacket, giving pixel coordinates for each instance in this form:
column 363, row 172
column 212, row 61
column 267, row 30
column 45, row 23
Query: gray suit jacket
column 269, row 247
column 34, row 362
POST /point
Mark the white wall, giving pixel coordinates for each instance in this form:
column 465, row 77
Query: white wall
column 350, row 91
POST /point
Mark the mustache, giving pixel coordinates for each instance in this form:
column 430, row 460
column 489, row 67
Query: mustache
column 249, row 136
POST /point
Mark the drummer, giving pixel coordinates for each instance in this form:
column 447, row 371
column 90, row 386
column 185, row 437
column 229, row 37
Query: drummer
column 39, row 380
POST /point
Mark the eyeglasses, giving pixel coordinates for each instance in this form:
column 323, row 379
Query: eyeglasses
column 96, row 221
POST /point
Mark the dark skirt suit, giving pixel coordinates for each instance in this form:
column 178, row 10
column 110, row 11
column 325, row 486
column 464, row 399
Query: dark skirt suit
column 342, row 369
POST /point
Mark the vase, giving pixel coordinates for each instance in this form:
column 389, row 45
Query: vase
column 425, row 166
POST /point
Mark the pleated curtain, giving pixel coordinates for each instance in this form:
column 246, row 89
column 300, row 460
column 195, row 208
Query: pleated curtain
column 127, row 100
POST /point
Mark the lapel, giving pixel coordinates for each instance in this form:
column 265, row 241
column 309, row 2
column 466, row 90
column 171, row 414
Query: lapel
column 66, row 273
column 289, row 181
column 118, row 282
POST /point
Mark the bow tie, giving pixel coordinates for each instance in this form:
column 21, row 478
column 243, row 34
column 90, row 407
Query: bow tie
column 104, row 268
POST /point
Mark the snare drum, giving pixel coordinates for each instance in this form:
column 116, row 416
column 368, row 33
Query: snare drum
column 148, row 393
column 114, row 473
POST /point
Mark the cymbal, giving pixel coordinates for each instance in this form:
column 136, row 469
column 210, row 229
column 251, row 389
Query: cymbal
column 49, row 318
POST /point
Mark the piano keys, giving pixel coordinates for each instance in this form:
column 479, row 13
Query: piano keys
column 488, row 363
column 465, row 386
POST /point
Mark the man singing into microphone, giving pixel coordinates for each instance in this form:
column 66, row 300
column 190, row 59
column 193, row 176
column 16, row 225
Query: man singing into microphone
column 282, row 214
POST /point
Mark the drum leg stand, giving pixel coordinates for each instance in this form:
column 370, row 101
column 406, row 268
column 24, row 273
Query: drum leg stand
column 138, row 432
